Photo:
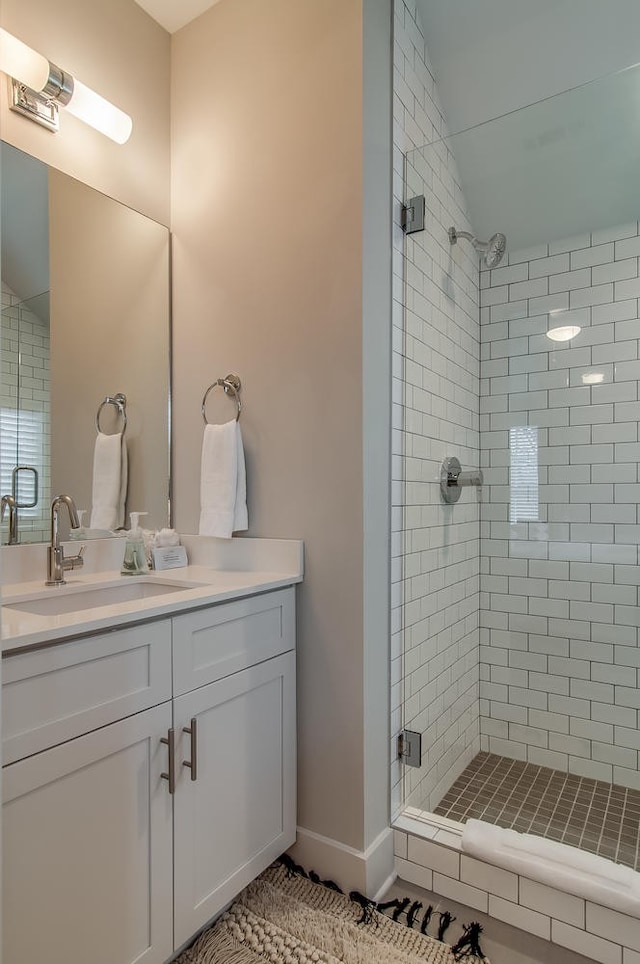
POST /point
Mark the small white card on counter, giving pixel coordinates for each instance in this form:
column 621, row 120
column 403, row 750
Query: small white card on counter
column 169, row 557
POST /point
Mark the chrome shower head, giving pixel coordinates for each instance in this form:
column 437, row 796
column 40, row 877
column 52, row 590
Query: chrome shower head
column 492, row 251
column 495, row 249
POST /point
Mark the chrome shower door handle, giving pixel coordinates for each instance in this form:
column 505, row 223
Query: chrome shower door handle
column 15, row 485
column 168, row 740
column 192, row 764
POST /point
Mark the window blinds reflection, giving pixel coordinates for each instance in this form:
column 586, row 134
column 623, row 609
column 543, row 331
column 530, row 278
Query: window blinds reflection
column 22, row 442
column 523, row 451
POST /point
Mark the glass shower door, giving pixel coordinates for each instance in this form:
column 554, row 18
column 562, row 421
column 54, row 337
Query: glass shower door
column 525, row 687
column 440, row 358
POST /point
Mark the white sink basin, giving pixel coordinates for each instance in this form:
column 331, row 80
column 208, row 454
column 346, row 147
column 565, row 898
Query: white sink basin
column 75, row 599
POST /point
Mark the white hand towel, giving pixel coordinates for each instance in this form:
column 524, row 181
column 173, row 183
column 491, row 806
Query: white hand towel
column 109, row 474
column 124, row 482
column 241, row 515
column 223, row 506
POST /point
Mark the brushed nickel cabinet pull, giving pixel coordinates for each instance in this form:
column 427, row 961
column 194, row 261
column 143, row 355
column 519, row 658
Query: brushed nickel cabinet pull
column 171, row 775
column 193, row 762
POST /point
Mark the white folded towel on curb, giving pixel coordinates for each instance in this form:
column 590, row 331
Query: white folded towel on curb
column 555, row 864
column 223, row 484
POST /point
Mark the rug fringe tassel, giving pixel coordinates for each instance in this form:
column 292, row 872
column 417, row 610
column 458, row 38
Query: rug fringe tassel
column 330, row 884
column 292, row 867
column 411, row 915
column 425, row 920
column 469, row 943
column 368, row 906
column 445, row 920
column 467, row 946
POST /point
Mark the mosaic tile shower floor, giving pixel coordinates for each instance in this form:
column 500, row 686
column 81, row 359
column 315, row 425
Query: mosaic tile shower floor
column 602, row 818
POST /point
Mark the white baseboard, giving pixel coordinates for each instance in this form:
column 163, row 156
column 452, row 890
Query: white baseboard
column 369, row 871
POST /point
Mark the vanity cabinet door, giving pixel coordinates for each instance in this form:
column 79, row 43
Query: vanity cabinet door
column 87, row 849
column 239, row 813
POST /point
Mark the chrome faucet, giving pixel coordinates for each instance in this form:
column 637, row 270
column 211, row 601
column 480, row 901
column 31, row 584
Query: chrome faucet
column 10, row 502
column 57, row 564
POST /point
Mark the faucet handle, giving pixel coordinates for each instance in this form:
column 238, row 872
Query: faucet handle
column 74, row 562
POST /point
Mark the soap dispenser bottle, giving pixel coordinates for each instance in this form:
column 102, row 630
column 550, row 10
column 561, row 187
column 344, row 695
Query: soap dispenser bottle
column 135, row 556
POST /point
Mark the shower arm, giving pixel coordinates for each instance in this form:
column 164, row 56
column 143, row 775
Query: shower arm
column 454, row 234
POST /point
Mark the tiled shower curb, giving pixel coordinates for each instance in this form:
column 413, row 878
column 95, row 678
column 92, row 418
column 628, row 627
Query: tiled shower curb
column 428, row 854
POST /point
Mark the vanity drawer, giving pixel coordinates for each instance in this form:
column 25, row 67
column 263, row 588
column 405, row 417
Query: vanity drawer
column 56, row 693
column 210, row 644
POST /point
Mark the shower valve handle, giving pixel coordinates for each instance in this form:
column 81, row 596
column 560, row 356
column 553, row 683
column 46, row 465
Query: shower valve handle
column 453, row 479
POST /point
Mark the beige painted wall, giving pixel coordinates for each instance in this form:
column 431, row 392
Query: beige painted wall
column 119, row 51
column 267, row 220
column 109, row 271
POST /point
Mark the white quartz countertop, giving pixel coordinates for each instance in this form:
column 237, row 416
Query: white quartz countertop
column 204, row 585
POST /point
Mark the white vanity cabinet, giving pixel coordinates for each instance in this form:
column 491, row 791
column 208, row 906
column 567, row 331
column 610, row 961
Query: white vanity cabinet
column 87, row 849
column 102, row 862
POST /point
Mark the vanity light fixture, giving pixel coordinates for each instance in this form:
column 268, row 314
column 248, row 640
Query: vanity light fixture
column 38, row 88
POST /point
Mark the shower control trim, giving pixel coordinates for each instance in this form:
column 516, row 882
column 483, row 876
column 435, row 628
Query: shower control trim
column 453, row 479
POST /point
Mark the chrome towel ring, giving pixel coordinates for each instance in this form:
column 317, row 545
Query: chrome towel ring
column 232, row 386
column 120, row 402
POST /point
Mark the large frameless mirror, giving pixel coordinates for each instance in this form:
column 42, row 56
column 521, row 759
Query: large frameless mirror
column 85, row 318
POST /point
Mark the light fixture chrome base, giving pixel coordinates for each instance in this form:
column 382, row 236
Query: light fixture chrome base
column 36, row 106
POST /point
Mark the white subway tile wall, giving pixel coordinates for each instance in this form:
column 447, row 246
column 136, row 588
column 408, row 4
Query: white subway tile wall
column 560, row 528
column 25, row 392
column 436, row 363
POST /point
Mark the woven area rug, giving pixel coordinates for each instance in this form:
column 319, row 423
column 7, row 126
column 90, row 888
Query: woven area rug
column 285, row 918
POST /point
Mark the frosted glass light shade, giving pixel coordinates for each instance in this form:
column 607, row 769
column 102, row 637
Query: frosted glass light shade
column 99, row 113
column 60, row 89
column 19, row 61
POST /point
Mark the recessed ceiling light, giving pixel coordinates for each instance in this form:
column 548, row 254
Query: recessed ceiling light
column 565, row 333
column 592, row 378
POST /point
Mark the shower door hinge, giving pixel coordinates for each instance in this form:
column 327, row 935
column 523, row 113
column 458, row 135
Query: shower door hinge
column 413, row 215
column 410, row 748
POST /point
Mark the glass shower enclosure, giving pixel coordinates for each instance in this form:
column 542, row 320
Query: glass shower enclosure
column 517, row 606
